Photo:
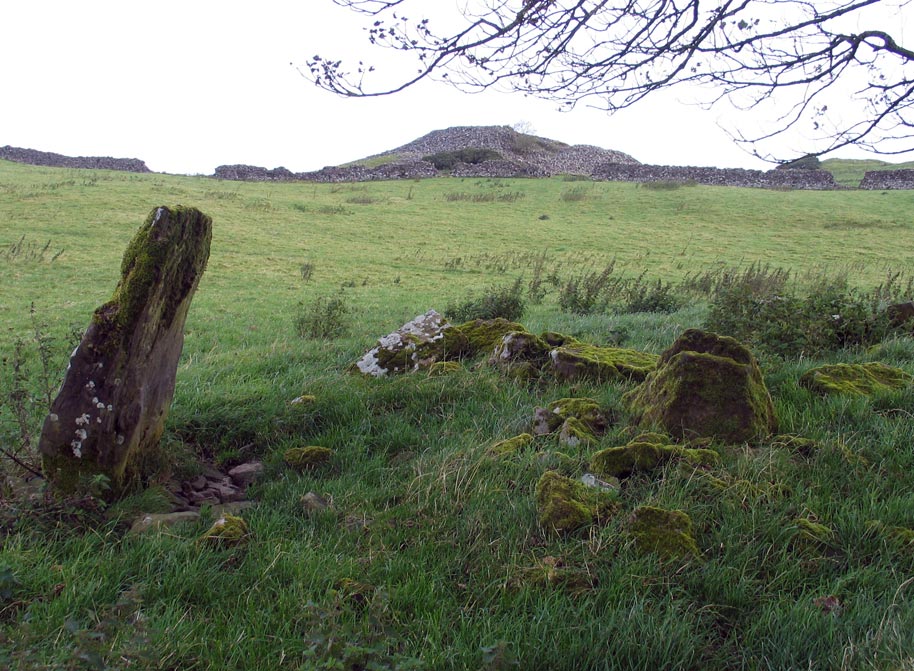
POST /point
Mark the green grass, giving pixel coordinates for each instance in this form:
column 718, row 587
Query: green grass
column 849, row 172
column 431, row 556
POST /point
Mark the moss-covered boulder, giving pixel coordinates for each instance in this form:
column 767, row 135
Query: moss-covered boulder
column 511, row 446
column 396, row 352
column 565, row 505
column 646, row 453
column 576, row 360
column 856, row 379
column 467, row 340
column 305, row 458
column 111, row 409
column 666, row 533
column 227, row 530
column 521, row 355
column 705, row 385
column 588, row 411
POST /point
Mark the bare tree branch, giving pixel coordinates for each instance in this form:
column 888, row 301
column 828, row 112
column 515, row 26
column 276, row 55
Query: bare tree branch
column 807, row 63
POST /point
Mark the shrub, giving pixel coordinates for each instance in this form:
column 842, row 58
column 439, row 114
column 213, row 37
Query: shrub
column 590, row 292
column 325, row 318
column 506, row 302
column 656, row 296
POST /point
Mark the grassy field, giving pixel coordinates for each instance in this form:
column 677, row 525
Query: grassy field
column 431, row 555
column 849, row 172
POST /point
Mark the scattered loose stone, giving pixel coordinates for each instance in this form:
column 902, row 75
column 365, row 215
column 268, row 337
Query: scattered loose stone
column 227, row 530
column 244, row 474
column 396, row 352
column 705, row 385
column 588, row 411
column 591, row 480
column 307, row 457
column 565, row 505
column 666, row 533
column 857, row 379
column 112, row 406
column 314, row 502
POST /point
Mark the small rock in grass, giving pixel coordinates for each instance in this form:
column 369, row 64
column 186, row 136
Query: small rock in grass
column 307, row 457
column 227, row 530
column 565, row 505
column 244, row 474
column 314, row 502
column 666, row 533
column 304, row 399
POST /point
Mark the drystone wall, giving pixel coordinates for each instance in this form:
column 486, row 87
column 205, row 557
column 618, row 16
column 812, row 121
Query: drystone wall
column 771, row 179
column 50, row 159
column 885, row 180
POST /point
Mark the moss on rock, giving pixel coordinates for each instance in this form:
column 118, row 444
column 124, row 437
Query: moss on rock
column 810, row 534
column 666, row 533
column 587, row 410
column 574, row 432
column 565, row 505
column 511, row 446
column 858, row 379
column 646, row 453
column 577, row 360
column 715, row 391
column 227, row 530
column 307, row 457
column 466, row 340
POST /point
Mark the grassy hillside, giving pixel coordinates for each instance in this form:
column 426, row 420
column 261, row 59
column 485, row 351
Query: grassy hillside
column 431, row 555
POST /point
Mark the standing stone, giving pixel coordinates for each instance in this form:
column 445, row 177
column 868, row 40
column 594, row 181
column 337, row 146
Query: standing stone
column 112, row 406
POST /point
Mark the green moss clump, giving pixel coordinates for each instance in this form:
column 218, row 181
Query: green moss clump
column 565, row 505
column 441, row 368
column 227, row 530
column 646, row 453
column 813, row 534
column 578, row 360
column 586, row 410
column 307, row 457
column 574, row 432
column 511, row 446
column 895, row 535
column 858, row 379
column 717, row 393
column 666, row 533
column 518, row 347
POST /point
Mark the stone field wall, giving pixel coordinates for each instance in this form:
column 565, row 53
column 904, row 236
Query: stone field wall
column 50, row 159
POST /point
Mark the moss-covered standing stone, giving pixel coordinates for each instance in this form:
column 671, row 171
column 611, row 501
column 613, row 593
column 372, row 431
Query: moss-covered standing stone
column 666, row 533
column 856, row 379
column 112, row 406
column 705, row 385
column 565, row 505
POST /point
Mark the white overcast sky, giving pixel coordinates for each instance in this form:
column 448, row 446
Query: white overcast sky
column 187, row 85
